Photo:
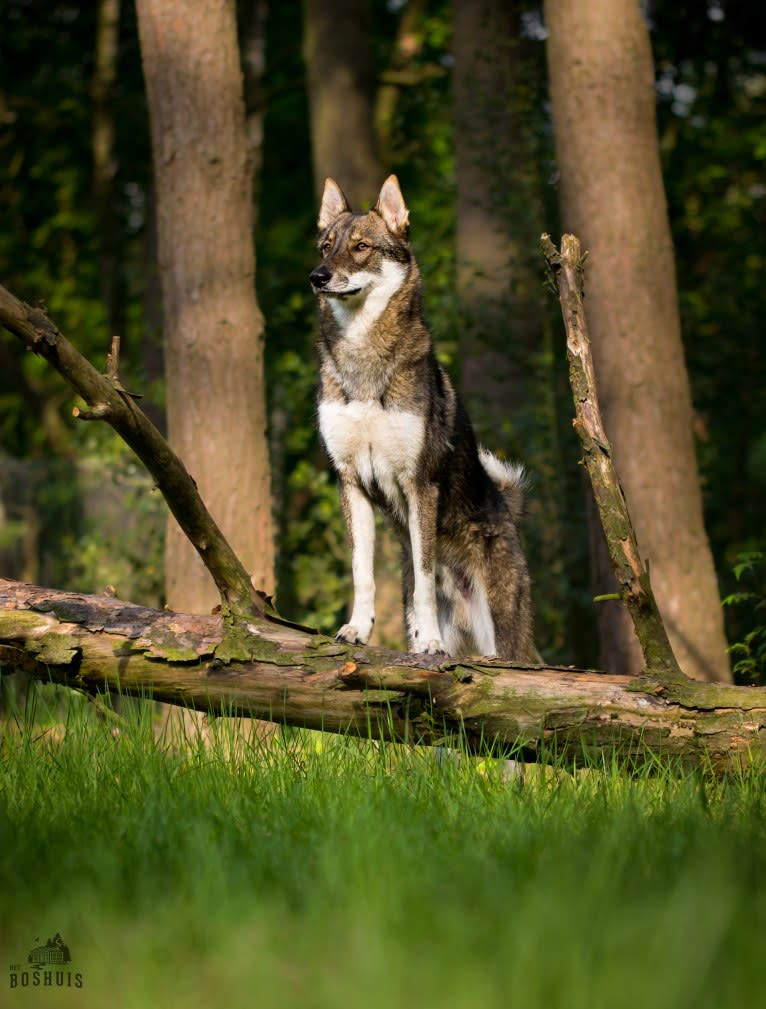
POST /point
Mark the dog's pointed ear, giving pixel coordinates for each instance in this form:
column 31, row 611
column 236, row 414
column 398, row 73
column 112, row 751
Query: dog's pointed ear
column 392, row 208
column 334, row 203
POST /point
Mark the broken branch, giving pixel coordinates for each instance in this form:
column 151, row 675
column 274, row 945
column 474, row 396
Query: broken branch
column 109, row 402
column 632, row 576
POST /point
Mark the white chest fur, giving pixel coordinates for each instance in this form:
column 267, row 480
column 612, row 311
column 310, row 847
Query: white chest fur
column 380, row 447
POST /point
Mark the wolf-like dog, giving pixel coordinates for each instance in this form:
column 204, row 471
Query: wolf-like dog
column 400, row 439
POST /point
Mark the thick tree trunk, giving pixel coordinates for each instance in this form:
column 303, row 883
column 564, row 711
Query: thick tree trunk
column 506, row 375
column 213, row 327
column 253, row 18
column 98, row 643
column 340, row 79
column 603, row 104
column 103, row 134
column 498, row 213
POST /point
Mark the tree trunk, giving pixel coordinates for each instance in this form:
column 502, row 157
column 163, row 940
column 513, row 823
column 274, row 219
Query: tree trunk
column 400, row 73
column 213, row 327
column 340, row 79
column 253, row 17
column 103, row 134
column 506, row 376
column 498, row 213
column 97, row 643
column 631, row 574
column 612, row 196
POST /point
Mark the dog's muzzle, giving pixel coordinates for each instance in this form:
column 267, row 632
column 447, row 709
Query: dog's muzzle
column 320, row 277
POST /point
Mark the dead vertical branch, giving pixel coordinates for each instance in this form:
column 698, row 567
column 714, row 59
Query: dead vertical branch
column 632, row 575
column 113, row 361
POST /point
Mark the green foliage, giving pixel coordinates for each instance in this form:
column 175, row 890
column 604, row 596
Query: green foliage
column 85, row 524
column 749, row 653
column 122, row 537
column 58, row 481
column 309, row 867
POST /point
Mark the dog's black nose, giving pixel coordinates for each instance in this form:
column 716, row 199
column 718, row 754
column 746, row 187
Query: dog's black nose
column 320, row 276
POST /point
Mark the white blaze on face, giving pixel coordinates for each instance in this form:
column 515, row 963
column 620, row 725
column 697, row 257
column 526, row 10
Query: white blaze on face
column 357, row 314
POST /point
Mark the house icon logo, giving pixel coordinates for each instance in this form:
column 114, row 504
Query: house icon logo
column 46, row 967
column 54, row 951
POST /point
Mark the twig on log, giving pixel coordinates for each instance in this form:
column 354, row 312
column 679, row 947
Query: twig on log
column 99, row 412
column 632, row 575
column 113, row 361
column 112, row 403
column 97, row 643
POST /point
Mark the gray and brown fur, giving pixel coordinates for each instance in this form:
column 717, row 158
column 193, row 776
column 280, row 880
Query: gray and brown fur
column 401, row 440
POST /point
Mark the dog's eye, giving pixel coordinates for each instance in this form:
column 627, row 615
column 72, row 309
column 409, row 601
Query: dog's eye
column 361, row 246
column 326, row 246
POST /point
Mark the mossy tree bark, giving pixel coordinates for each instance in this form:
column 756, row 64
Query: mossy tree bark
column 103, row 134
column 503, row 327
column 499, row 205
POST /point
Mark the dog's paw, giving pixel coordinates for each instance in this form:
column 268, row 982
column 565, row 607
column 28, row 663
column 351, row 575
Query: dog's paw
column 353, row 635
column 433, row 647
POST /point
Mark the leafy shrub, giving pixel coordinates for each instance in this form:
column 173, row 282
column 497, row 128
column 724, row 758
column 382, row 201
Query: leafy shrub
column 749, row 654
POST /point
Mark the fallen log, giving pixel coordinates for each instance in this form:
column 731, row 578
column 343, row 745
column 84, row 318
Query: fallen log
column 99, row 643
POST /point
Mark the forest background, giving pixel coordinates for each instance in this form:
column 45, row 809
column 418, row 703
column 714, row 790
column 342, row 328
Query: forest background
column 79, row 230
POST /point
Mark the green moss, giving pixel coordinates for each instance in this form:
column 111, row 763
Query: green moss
column 177, row 655
column 238, row 645
column 54, row 649
column 18, row 623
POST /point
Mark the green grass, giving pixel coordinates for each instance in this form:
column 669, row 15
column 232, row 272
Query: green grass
column 317, row 871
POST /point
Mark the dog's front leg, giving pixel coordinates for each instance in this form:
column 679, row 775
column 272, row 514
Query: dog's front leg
column 360, row 522
column 422, row 619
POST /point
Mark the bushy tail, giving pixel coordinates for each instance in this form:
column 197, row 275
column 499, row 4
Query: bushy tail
column 510, row 478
